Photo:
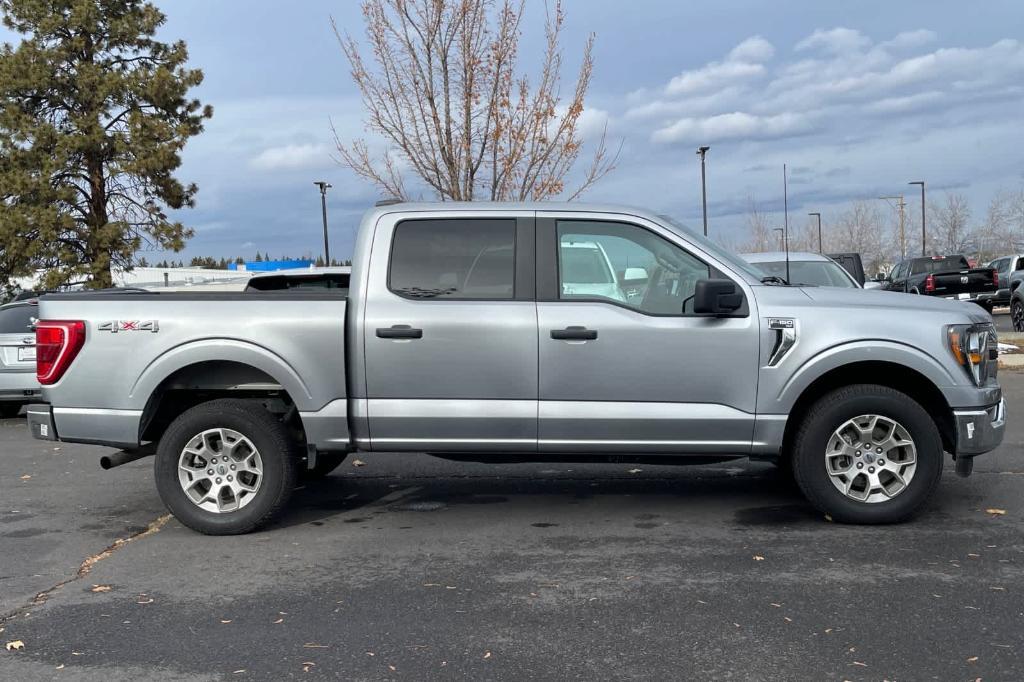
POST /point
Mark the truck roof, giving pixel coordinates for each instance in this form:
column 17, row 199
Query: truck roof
column 477, row 206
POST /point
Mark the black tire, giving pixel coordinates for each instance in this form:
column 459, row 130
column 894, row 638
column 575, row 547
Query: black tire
column 9, row 410
column 827, row 415
column 326, row 462
column 276, row 450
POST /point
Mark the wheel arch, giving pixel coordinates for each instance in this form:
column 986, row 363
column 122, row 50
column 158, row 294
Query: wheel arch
column 884, row 373
column 206, row 380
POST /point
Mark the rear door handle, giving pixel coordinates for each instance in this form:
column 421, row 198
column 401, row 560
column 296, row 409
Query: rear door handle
column 399, row 331
column 574, row 334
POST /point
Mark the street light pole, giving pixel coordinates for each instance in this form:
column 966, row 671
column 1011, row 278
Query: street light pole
column 821, row 249
column 923, row 219
column 703, row 187
column 324, row 186
column 901, row 206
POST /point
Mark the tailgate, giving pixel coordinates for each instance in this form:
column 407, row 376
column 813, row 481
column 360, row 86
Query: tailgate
column 17, row 353
column 970, row 281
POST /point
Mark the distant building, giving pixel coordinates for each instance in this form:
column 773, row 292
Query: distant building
column 271, row 265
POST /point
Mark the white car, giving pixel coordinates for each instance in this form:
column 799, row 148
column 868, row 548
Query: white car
column 805, row 269
column 587, row 271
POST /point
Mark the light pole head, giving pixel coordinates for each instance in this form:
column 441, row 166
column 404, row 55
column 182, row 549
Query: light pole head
column 323, row 185
column 702, row 150
column 817, row 214
column 917, row 182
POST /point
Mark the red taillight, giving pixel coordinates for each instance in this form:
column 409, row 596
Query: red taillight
column 57, row 344
column 929, row 283
column 995, row 279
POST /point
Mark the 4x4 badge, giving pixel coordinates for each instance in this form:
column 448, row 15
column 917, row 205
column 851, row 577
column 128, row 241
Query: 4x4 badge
column 115, row 326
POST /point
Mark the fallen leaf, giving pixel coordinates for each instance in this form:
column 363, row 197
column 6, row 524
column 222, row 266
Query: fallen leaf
column 487, row 654
column 225, row 621
column 313, row 645
column 828, row 517
column 997, row 589
column 100, row 588
column 758, row 557
column 278, row 621
column 238, row 672
column 145, row 600
column 635, row 471
column 974, row 555
column 26, row 477
column 778, row 606
column 60, row 667
column 358, row 463
column 392, row 668
column 16, row 645
column 307, row 665
column 972, row 659
column 787, row 619
column 992, row 510
column 863, row 665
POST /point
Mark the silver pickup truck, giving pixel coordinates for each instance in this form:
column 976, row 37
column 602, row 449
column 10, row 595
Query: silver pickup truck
column 529, row 332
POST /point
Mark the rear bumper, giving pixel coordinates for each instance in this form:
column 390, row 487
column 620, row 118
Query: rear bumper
column 19, row 386
column 40, row 422
column 980, row 430
column 116, row 428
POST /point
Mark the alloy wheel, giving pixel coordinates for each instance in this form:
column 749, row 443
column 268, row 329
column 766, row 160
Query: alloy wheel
column 220, row 470
column 871, row 458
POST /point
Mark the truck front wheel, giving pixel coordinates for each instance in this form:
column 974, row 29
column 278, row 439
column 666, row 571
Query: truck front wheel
column 867, row 454
column 225, row 467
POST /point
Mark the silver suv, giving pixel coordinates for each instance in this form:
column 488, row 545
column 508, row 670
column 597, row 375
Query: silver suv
column 18, row 385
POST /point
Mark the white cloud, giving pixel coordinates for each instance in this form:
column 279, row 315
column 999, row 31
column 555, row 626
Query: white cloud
column 743, row 62
column 910, row 39
column 734, row 125
column 753, row 49
column 291, row 156
column 835, row 41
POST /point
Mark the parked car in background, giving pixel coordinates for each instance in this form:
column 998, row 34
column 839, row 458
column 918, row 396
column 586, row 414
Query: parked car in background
column 541, row 358
column 1011, row 272
column 18, row 385
column 811, row 269
column 852, row 263
column 949, row 277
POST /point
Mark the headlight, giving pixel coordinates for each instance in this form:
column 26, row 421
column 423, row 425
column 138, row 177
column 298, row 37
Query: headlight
column 975, row 348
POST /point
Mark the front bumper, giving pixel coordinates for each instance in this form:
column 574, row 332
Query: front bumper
column 40, row 422
column 979, row 430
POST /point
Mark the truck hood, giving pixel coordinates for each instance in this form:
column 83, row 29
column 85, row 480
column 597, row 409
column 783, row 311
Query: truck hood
column 895, row 301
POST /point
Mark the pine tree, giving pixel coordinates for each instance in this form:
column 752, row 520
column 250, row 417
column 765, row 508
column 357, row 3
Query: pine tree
column 94, row 114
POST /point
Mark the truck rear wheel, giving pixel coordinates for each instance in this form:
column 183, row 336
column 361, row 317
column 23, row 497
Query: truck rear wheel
column 225, row 467
column 867, row 454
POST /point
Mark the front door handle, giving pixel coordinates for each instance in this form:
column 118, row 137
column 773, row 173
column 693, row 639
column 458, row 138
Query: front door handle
column 574, row 334
column 399, row 331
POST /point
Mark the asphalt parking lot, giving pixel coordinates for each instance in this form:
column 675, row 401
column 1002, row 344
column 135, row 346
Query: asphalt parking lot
column 414, row 568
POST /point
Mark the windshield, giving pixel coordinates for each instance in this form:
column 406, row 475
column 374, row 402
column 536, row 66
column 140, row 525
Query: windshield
column 809, row 273
column 715, row 250
column 581, row 265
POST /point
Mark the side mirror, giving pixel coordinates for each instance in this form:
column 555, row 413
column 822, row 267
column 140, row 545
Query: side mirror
column 716, row 297
column 634, row 275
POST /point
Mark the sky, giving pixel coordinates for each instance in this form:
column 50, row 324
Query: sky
column 857, row 98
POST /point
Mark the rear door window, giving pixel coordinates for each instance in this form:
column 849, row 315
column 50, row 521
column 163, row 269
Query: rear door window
column 466, row 258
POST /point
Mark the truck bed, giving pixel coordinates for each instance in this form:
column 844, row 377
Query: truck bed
column 138, row 341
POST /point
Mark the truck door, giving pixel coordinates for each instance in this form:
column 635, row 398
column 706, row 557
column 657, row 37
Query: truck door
column 629, row 367
column 450, row 334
